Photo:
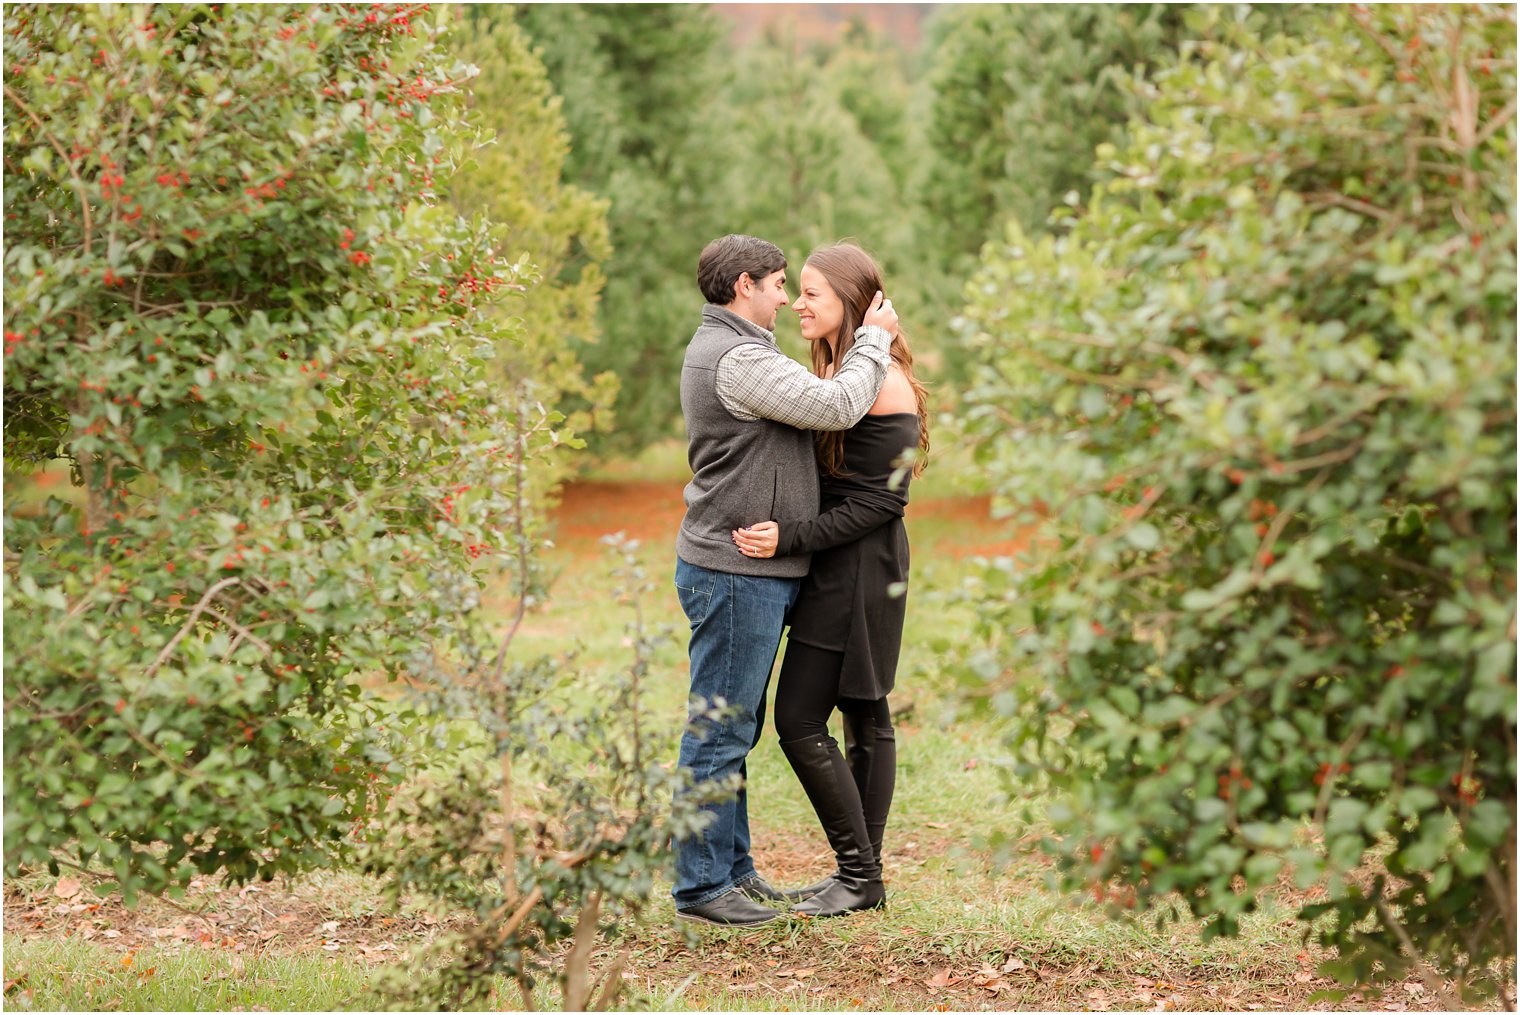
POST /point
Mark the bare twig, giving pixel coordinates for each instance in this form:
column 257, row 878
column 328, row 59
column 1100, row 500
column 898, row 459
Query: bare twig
column 1351, row 203
column 578, row 984
column 525, row 907
column 612, row 983
column 1433, row 983
column 1328, row 458
column 84, row 199
column 520, row 531
column 242, row 631
column 1327, row 786
column 509, row 831
column 1500, row 119
column 195, row 613
column 199, row 914
column 1280, row 523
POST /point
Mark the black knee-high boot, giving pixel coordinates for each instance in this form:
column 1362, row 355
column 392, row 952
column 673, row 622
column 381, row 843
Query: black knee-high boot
column 830, row 788
column 872, row 752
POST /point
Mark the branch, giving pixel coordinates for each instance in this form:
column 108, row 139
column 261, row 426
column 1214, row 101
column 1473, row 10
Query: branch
column 84, row 201
column 578, row 985
column 612, row 983
column 509, row 834
column 1103, row 380
column 200, row 607
column 1328, row 458
column 1433, row 983
column 1328, row 786
column 199, row 914
column 242, row 631
column 520, row 499
column 532, row 899
column 1280, row 523
column 1501, row 119
column 1366, row 208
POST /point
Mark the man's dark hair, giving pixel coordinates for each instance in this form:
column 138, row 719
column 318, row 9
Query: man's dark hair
column 726, row 258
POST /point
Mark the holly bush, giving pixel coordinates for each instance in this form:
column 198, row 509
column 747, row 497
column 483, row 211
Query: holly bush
column 1260, row 394
column 240, row 313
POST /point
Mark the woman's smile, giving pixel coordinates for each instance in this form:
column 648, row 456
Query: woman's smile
column 819, row 311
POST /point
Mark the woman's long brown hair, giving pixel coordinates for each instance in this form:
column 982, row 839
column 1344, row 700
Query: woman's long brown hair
column 855, row 278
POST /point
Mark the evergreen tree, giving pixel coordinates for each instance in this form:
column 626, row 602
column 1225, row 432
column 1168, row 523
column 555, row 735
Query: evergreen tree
column 1022, row 96
column 813, row 175
column 639, row 84
column 874, row 80
column 807, row 173
column 239, row 312
column 515, row 182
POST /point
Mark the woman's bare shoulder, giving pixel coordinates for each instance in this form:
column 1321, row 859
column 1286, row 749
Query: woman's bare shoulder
column 896, row 395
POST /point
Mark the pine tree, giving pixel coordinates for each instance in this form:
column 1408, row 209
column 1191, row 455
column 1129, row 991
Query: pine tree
column 639, row 84
column 515, row 181
column 1022, row 96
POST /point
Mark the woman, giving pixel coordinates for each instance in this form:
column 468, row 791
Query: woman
column 846, row 626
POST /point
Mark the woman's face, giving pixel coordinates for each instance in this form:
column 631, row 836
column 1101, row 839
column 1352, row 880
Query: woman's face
column 819, row 310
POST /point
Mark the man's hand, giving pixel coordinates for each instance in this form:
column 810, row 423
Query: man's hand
column 881, row 315
column 760, row 540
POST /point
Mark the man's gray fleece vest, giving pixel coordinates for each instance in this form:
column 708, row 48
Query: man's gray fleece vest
column 742, row 472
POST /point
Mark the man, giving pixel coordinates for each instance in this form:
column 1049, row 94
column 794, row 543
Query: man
column 750, row 412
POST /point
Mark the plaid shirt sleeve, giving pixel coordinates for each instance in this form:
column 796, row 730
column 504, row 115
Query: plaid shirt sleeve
column 760, row 382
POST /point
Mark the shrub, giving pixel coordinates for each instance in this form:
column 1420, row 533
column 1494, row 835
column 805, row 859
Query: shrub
column 237, row 310
column 547, row 824
column 1262, row 390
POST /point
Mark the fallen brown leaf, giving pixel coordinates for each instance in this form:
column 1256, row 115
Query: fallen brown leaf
column 66, row 888
column 943, row 978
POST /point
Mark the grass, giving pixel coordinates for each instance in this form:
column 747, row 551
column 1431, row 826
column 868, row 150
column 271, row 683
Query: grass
column 66, row 974
column 960, row 934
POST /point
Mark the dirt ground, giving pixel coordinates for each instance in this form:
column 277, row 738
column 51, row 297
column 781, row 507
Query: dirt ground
column 958, row 968
column 955, row 969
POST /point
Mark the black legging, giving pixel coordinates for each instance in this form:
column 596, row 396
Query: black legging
column 807, row 693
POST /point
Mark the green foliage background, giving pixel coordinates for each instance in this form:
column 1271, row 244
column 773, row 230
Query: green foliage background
column 640, row 86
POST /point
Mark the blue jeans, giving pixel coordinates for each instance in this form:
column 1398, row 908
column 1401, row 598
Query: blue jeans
column 736, row 623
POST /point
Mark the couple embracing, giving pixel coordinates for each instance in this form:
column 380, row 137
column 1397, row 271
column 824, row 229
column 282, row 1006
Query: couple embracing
column 792, row 519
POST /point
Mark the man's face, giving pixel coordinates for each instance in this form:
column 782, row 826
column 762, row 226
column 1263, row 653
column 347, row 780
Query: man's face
column 766, row 296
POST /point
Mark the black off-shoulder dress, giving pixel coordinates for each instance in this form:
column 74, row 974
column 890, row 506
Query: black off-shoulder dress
column 860, row 552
